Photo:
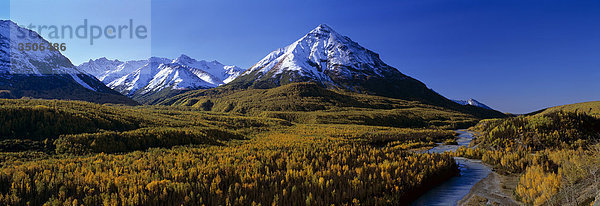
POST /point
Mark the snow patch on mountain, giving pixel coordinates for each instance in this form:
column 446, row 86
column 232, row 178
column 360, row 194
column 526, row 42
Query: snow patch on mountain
column 81, row 82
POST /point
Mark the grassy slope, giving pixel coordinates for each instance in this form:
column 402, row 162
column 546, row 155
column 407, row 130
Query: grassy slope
column 591, row 108
column 155, row 97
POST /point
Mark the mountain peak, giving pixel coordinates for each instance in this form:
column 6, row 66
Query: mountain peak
column 472, row 102
column 323, row 32
column 184, row 57
column 104, row 59
column 322, row 28
column 185, row 60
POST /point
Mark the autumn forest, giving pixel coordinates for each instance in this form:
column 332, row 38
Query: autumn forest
column 76, row 153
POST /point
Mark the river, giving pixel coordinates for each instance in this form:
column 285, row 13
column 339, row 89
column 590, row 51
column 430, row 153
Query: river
column 454, row 189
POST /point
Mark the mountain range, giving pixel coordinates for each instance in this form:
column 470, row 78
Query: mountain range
column 45, row 74
column 147, row 81
column 322, row 57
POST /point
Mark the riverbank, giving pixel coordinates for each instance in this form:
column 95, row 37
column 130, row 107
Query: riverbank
column 495, row 189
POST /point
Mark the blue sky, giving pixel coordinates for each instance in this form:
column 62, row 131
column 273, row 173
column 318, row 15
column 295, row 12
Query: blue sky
column 515, row 56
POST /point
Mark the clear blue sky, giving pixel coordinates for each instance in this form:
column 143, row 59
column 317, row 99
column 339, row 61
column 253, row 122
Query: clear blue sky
column 515, row 56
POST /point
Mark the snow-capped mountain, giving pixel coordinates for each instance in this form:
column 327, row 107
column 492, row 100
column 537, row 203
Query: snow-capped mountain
column 145, row 77
column 159, row 74
column 320, row 52
column 333, row 60
column 224, row 73
column 45, row 73
column 137, row 79
column 472, row 102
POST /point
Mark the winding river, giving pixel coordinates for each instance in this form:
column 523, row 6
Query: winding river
column 453, row 190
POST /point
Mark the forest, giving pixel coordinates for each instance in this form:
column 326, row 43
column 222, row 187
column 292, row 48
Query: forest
column 77, row 153
column 275, row 169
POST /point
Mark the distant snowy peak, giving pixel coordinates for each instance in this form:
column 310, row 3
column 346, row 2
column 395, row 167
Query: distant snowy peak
column 154, row 78
column 176, row 76
column 224, row 73
column 472, row 102
column 155, row 74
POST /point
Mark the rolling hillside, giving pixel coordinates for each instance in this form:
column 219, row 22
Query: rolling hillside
column 591, row 108
column 311, row 103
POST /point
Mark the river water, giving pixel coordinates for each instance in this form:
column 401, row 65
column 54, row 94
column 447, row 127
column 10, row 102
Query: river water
column 453, row 190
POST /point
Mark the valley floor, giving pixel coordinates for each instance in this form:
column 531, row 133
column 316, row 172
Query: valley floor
column 74, row 153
